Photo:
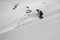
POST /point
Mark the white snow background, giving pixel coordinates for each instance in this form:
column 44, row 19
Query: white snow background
column 14, row 25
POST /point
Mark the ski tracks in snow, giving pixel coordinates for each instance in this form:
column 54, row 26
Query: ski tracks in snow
column 27, row 20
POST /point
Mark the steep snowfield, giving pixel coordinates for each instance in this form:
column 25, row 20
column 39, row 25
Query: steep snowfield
column 44, row 29
column 16, row 26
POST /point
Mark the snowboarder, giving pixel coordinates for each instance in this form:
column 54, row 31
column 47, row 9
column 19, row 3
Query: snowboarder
column 39, row 13
column 28, row 11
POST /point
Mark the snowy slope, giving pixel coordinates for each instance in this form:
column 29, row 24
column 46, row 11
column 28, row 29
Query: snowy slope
column 32, row 28
column 44, row 29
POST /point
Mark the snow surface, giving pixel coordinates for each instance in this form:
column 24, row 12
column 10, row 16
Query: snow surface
column 14, row 25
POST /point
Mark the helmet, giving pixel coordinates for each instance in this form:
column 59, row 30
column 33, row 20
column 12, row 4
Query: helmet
column 27, row 7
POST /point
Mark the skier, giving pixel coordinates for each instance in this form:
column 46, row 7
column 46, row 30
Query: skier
column 39, row 13
column 28, row 11
column 15, row 6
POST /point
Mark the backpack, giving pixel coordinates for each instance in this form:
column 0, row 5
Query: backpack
column 41, row 13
